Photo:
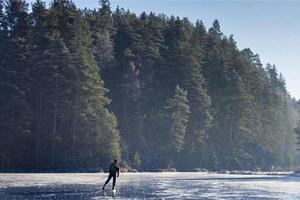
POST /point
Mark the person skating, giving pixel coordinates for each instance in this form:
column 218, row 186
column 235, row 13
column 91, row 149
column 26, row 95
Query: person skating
column 113, row 173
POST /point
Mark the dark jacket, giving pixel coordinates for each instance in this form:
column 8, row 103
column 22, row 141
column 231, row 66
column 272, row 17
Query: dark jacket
column 114, row 169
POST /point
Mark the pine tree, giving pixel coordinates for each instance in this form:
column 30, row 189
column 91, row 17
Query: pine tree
column 183, row 59
column 15, row 111
column 201, row 118
column 137, row 161
column 147, row 58
column 125, row 83
column 89, row 116
column 178, row 115
column 49, row 57
column 101, row 26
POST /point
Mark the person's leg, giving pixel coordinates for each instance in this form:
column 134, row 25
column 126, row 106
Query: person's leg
column 114, row 181
column 108, row 179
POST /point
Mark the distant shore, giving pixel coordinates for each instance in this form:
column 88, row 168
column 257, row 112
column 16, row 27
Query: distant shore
column 237, row 172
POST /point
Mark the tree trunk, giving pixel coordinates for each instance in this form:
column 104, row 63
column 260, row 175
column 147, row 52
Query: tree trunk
column 74, row 129
column 38, row 131
column 53, row 147
column 11, row 153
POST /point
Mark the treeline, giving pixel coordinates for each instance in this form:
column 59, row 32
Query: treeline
column 79, row 88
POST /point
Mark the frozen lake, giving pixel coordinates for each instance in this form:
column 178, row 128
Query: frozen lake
column 149, row 186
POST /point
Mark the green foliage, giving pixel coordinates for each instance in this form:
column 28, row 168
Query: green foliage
column 178, row 115
column 79, row 88
column 297, row 132
column 137, row 161
column 16, row 114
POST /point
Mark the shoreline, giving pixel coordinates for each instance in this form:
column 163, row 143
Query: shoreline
column 234, row 172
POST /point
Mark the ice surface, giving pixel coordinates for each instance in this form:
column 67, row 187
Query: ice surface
column 149, row 186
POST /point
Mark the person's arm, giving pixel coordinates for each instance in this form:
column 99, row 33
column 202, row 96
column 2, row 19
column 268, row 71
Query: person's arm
column 118, row 171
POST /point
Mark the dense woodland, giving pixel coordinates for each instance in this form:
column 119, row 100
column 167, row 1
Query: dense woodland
column 79, row 88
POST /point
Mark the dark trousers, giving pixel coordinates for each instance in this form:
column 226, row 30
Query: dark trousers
column 114, row 180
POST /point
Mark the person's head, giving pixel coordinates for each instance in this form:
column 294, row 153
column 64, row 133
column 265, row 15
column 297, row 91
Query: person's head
column 115, row 161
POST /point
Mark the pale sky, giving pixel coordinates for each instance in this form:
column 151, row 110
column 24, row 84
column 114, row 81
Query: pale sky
column 270, row 28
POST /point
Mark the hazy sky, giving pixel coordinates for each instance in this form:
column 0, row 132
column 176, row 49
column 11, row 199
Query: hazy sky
column 270, row 28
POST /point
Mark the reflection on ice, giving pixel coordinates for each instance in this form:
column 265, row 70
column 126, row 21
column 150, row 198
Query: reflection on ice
column 149, row 186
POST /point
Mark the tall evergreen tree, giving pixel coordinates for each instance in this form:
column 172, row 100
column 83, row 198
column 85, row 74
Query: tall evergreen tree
column 48, row 73
column 90, row 120
column 102, row 30
column 178, row 114
column 15, row 111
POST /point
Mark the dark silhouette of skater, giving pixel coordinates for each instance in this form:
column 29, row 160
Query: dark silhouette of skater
column 113, row 173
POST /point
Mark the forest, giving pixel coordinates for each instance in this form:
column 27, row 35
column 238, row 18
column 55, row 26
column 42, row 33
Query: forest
column 80, row 87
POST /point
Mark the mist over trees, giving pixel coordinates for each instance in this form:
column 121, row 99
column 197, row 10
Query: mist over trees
column 79, row 88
